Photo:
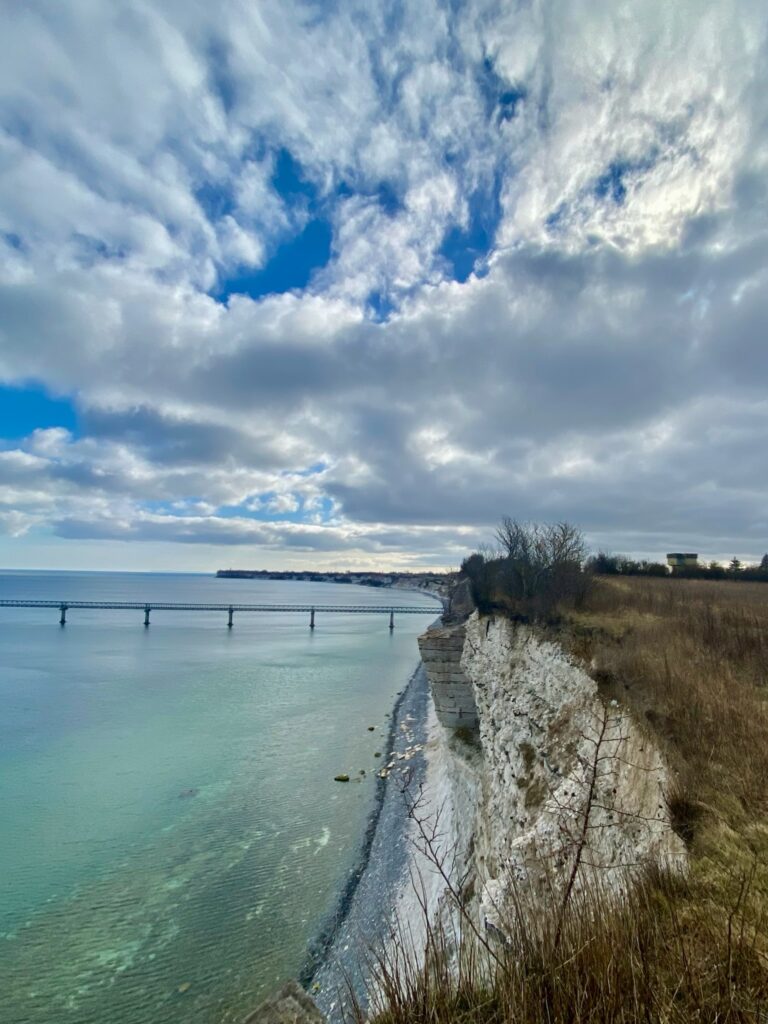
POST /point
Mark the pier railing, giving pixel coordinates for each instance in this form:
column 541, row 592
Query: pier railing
column 147, row 607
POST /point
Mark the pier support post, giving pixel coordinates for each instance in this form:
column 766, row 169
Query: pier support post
column 391, row 618
column 312, row 618
column 63, row 619
column 147, row 610
column 229, row 620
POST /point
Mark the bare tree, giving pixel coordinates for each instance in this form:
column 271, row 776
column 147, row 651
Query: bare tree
column 542, row 563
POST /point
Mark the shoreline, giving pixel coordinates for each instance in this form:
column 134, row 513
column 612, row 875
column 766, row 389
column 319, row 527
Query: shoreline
column 369, row 896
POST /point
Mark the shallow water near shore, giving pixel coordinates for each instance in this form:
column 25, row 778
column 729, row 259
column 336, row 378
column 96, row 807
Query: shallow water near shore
column 172, row 835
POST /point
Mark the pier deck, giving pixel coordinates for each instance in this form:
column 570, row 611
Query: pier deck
column 346, row 609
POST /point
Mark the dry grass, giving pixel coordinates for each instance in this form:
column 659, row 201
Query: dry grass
column 690, row 659
column 638, row 961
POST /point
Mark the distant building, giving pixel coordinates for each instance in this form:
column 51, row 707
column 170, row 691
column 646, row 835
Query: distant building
column 682, row 560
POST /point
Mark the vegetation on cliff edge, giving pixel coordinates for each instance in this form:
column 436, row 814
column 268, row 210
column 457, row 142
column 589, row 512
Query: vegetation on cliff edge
column 690, row 659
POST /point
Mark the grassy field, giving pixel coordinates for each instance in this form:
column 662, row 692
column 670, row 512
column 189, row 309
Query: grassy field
column 690, row 659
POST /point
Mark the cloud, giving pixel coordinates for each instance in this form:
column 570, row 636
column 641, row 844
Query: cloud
column 602, row 169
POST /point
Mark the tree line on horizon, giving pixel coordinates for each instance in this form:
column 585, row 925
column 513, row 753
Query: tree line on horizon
column 604, row 564
column 537, row 569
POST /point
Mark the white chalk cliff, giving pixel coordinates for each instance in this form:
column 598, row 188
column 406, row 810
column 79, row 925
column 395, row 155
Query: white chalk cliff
column 546, row 784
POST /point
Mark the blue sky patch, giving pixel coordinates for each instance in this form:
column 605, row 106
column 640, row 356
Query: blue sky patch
column 29, row 407
column 215, row 200
column 501, row 99
column 508, row 102
column 385, row 194
column 612, row 183
column 292, row 265
column 323, row 508
column 379, row 306
column 168, row 508
column 288, row 179
column 262, row 515
column 555, row 219
column 294, row 261
column 313, row 470
column 388, row 199
column 463, row 247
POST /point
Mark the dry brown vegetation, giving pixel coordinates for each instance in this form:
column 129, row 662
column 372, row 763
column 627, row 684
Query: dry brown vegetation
column 690, row 660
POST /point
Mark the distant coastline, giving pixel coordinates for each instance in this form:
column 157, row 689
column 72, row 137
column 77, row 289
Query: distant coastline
column 438, row 584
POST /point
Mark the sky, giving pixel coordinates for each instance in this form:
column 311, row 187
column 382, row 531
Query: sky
column 339, row 284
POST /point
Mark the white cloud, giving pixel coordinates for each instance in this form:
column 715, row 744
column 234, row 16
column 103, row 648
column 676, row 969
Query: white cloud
column 282, row 503
column 609, row 367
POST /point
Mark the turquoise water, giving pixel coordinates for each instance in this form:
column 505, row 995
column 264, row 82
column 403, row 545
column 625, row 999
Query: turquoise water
column 170, row 832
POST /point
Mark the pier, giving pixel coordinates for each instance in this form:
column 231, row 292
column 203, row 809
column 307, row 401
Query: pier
column 147, row 608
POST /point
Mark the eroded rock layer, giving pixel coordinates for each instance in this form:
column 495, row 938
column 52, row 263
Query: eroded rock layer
column 441, row 651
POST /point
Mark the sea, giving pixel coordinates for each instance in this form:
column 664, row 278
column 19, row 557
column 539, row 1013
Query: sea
column 172, row 839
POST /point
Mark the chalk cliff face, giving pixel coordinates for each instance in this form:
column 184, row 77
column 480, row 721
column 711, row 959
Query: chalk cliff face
column 566, row 787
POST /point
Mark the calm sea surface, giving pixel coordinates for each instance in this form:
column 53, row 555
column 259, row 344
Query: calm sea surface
column 170, row 832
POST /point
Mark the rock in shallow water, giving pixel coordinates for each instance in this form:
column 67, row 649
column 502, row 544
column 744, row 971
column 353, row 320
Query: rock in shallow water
column 341, row 778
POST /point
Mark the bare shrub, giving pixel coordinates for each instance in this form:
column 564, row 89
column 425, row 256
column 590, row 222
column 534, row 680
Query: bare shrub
column 537, row 571
column 482, row 570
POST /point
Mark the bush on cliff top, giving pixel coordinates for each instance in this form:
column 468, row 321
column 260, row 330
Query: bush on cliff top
column 537, row 571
